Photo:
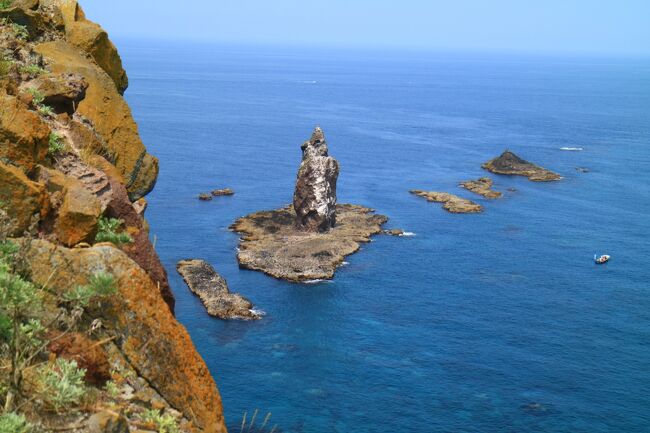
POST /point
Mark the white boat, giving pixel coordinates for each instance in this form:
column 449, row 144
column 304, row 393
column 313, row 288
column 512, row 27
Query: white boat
column 602, row 259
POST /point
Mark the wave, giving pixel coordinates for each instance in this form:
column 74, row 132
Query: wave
column 317, row 281
column 572, row 149
column 407, row 234
column 344, row 263
column 308, row 82
column 257, row 312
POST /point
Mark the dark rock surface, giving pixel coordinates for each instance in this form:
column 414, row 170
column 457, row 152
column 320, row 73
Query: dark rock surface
column 213, row 290
column 510, row 164
column 314, row 199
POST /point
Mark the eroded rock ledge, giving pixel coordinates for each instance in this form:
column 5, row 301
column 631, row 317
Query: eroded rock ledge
column 481, row 186
column 271, row 243
column 451, row 202
column 510, row 164
column 213, row 290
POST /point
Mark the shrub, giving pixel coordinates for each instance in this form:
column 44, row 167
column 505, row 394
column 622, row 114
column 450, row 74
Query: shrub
column 14, row 423
column 108, row 232
column 23, row 337
column 56, row 144
column 112, row 389
column 5, row 4
column 101, row 285
column 62, row 384
column 163, row 423
column 32, row 69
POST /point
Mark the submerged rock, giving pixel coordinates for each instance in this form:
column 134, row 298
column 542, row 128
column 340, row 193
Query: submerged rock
column 271, row 243
column 213, row 290
column 451, row 202
column 510, row 164
column 314, row 199
column 481, row 186
column 205, row 196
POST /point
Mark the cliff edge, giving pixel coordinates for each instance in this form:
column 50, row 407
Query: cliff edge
column 75, row 256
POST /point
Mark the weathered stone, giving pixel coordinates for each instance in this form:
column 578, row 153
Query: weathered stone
column 510, row 164
column 86, row 352
column 213, row 290
column 224, row 191
column 24, row 136
column 270, row 242
column 153, row 342
column 110, row 115
column 451, row 202
column 61, row 92
column 481, row 186
column 78, row 215
column 21, row 198
column 314, row 199
column 91, row 38
column 107, row 421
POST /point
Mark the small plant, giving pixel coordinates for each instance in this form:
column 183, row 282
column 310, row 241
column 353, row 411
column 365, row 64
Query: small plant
column 32, row 69
column 62, row 384
column 112, row 389
column 55, row 144
column 163, row 423
column 101, row 285
column 109, row 232
column 20, row 31
column 37, row 100
column 14, row 423
column 5, row 67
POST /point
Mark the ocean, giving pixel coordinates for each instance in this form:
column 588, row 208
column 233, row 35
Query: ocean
column 486, row 323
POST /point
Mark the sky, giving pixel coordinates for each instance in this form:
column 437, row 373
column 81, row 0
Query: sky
column 587, row 26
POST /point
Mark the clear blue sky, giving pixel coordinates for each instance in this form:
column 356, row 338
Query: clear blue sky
column 591, row 26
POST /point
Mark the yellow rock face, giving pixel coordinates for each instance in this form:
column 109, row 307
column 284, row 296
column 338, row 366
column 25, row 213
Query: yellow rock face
column 23, row 135
column 20, row 197
column 78, row 214
column 110, row 115
column 91, row 38
column 151, row 339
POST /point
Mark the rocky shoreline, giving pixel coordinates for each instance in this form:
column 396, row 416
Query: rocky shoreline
column 270, row 242
column 212, row 289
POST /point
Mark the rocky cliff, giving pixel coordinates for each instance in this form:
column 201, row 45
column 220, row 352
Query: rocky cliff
column 73, row 176
column 314, row 199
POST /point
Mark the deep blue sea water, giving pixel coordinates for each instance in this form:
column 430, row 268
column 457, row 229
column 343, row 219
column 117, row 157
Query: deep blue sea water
column 460, row 327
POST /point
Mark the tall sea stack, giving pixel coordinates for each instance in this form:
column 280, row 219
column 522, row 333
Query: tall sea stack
column 314, row 199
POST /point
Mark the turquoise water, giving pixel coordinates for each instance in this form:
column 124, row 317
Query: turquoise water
column 496, row 322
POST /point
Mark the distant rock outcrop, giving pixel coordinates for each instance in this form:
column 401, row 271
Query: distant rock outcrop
column 213, row 290
column 510, row 164
column 314, row 199
column 481, row 186
column 451, row 202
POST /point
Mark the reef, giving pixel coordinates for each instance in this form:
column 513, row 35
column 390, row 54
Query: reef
column 73, row 176
column 213, row 291
column 481, row 186
column 451, row 202
column 309, row 239
column 510, row 164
